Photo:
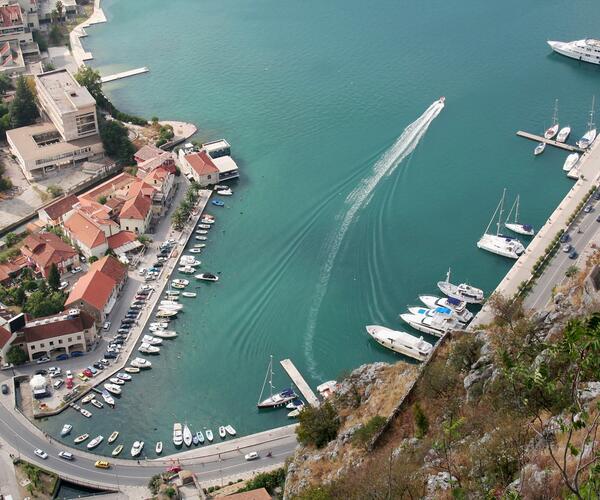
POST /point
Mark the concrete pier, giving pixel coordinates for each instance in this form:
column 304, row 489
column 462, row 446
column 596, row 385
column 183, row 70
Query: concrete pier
column 550, row 142
column 301, row 384
column 124, row 74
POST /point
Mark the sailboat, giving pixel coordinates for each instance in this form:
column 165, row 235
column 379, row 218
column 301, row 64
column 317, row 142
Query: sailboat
column 553, row 130
column 564, row 134
column 274, row 400
column 516, row 226
column 500, row 244
column 590, row 135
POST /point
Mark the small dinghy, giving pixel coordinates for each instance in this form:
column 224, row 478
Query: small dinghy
column 163, row 324
column 166, row 314
column 225, row 192
column 149, row 339
column 95, row 442
column 201, row 231
column 115, row 380
column 132, row 369
column 196, row 250
column 199, row 245
column 166, row 334
column 87, row 399
column 97, row 403
column 200, row 437
column 539, row 149
column 85, row 413
column 570, row 162
column 201, row 238
column 81, row 439
column 207, row 277
column 113, row 437
column 218, row 203
column 195, row 440
column 208, row 222
column 112, row 388
column 158, row 448
column 189, row 294
column 66, row 429
column 294, row 413
column 117, row 450
column 203, row 226
column 209, row 435
column 222, row 432
column 221, row 187
column 124, row 376
column 230, row 430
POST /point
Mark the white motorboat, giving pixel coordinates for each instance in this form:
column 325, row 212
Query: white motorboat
column 173, row 303
column 515, row 225
column 400, row 342
column 225, row 192
column 170, row 307
column 467, row 293
column 95, row 442
column 180, row 281
column 459, row 307
column 221, row 186
column 85, row 413
column 437, row 326
column 189, row 294
column 294, row 413
column 187, row 270
column 154, row 329
column 203, row 226
column 81, row 439
column 113, row 388
column 590, row 135
column 177, row 434
column 159, row 325
column 173, row 298
column 187, row 436
column 201, row 231
column 166, row 314
column 113, row 437
column 149, row 339
column 200, row 437
column 67, row 428
column 587, row 50
column 222, row 432
column 209, row 435
column 553, row 130
column 108, row 399
column 196, row 250
column 201, row 238
column 124, row 376
column 117, row 450
column 230, row 430
column 178, row 285
column 436, row 312
column 199, row 245
column 146, row 348
column 159, row 447
column 275, row 400
column 166, row 334
column 137, row 448
column 141, row 363
column 539, row 149
column 132, row 369
column 116, row 380
column 571, row 162
column 189, row 260
column 500, row 244
column 97, row 403
column 563, row 134
column 87, row 398
column 292, row 405
column 207, row 277
column 327, row 389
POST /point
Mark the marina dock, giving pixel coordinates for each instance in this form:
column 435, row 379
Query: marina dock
column 124, row 74
column 301, row 384
column 550, row 142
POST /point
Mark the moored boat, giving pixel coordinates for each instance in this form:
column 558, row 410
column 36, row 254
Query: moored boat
column 163, row 313
column 87, row 398
column 200, row 437
column 437, row 325
column 207, row 277
column 95, row 442
column 230, row 430
column 113, row 437
column 570, row 162
column 590, row 136
column 177, row 434
column 166, row 334
column 81, row 438
column 196, row 250
column 458, row 306
column 563, row 135
column 189, row 294
column 209, row 435
column 400, row 342
column 222, row 432
column 587, row 50
column 116, row 380
column 97, row 403
column 204, row 226
column 132, row 369
column 553, row 130
column 141, row 363
column 149, row 339
column 327, row 389
column 515, row 225
column 201, row 238
column 225, row 192
column 159, row 447
column 275, row 400
column 218, row 203
column 137, row 448
column 108, row 399
column 187, row 436
column 113, row 388
column 124, row 376
column 539, row 149
column 117, row 450
column 464, row 292
column 66, row 429
column 85, row 412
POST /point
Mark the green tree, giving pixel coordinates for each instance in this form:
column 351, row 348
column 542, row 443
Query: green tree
column 15, row 355
column 53, row 277
column 5, row 83
column 170, row 492
column 571, row 271
column 421, row 421
column 59, row 8
column 90, row 79
column 116, row 141
column 55, row 36
column 102, row 199
column 54, row 190
column 318, row 425
column 4, row 125
column 11, row 238
column 23, row 110
column 41, row 303
column 17, row 295
column 92, row 259
column 268, row 480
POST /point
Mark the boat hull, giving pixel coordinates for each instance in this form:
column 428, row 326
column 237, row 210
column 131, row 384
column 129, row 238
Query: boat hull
column 392, row 340
column 520, row 228
column 505, row 247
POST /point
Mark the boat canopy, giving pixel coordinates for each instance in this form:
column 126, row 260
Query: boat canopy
column 443, row 310
column 453, row 301
column 527, row 227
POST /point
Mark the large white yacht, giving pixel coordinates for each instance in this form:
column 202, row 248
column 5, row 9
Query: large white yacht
column 458, row 306
column 468, row 293
column 587, row 50
column 433, row 325
column 500, row 244
column 401, row 342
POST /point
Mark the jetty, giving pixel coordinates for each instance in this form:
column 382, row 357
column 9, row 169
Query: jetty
column 299, row 381
column 124, row 74
column 550, row 142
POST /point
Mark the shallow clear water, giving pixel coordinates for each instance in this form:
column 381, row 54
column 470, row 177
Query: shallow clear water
column 310, row 95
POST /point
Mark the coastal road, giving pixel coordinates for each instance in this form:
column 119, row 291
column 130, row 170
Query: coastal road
column 554, row 273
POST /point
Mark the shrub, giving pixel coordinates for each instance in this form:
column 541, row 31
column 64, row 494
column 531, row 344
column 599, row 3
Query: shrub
column 268, row 480
column 318, row 425
column 364, row 435
column 102, row 200
column 421, row 421
column 54, row 190
column 16, row 355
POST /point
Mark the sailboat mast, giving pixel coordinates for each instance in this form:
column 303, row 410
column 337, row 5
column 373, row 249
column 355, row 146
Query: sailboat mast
column 555, row 116
column 591, row 124
column 517, row 210
column 268, row 375
column 492, row 219
column 500, row 214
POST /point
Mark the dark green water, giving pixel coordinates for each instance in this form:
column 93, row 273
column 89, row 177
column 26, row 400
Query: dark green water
column 310, row 95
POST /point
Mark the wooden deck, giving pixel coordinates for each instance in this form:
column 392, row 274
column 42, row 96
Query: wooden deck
column 550, row 142
column 299, row 381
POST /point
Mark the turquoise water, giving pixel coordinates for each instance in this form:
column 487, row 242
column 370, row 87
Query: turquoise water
column 310, row 95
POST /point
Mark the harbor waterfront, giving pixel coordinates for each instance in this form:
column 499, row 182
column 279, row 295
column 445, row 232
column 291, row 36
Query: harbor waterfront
column 309, row 109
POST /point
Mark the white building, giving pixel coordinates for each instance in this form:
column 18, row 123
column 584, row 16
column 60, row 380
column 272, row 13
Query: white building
column 211, row 165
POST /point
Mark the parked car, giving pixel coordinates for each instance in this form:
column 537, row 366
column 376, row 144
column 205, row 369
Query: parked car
column 43, row 359
column 87, row 373
column 83, row 376
column 63, row 285
column 62, row 357
column 76, row 354
column 41, row 372
column 58, row 383
column 158, row 264
column 123, row 330
column 4, row 389
column 92, row 369
column 142, row 271
column 110, row 355
column 567, row 248
column 66, row 455
column 98, row 366
column 82, row 258
column 565, row 237
column 69, row 373
column 598, row 219
column 41, row 453
column 76, row 270
column 588, row 209
column 105, row 361
column 106, row 325
column 573, row 254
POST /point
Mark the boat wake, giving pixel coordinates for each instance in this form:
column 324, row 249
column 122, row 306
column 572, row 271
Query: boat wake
column 357, row 199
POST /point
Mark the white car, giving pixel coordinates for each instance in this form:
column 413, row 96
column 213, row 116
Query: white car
column 106, row 325
column 63, row 285
column 41, row 453
column 76, row 270
column 253, row 455
column 142, row 271
column 43, row 359
column 69, row 374
column 66, row 455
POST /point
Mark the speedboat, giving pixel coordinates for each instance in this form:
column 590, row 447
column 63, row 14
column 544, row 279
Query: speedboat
column 113, row 437
column 170, row 307
column 195, row 250
column 459, row 307
column 437, row 326
column 195, row 440
column 149, row 339
column 85, row 413
column 189, row 294
column 221, row 187
column 66, row 429
column 108, row 399
column 86, row 399
column 464, row 292
column 230, row 430
column 207, row 220
column 180, row 281
column 201, row 231
column 95, row 442
column 401, row 342
column 438, row 311
column 539, row 149
column 132, row 369
column 117, row 450
column 200, row 437
column 207, row 277
column 146, row 348
column 218, row 203
column 141, row 363
column 113, row 388
column 201, row 238
column 137, row 448
column 294, row 413
column 563, row 135
column 81, row 439
column 570, row 162
column 186, row 270
column 162, row 324
column 191, row 261
column 204, row 226
column 166, row 334
column 225, row 192
column 187, row 436
column 292, row 405
column 124, row 376
column 199, row 245
column 158, row 448
column 177, row 285
column 222, row 432
column 166, row 314
column 587, row 50
column 209, row 435
column 590, row 135
column 177, row 434
column 115, row 380
column 97, row 403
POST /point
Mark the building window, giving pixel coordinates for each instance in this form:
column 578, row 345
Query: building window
column 60, row 341
column 78, row 337
column 69, row 339
column 51, row 342
column 41, row 345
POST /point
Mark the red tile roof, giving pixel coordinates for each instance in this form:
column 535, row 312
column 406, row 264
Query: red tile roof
column 45, row 249
column 201, row 163
column 117, row 183
column 121, row 238
column 60, row 207
column 136, row 207
column 111, row 267
column 5, row 336
column 10, row 15
column 83, row 229
column 93, row 288
column 146, row 153
column 62, row 325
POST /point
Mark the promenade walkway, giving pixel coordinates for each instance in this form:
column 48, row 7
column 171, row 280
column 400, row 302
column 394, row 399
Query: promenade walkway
column 79, row 53
column 522, row 270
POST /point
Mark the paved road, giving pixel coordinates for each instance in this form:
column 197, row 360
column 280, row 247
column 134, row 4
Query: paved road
column 554, row 273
